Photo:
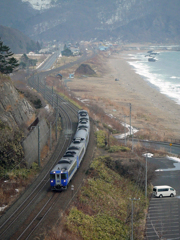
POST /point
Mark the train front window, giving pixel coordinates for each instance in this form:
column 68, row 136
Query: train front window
column 52, row 176
column 63, row 175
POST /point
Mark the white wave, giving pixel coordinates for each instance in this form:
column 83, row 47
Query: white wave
column 170, row 89
column 174, row 77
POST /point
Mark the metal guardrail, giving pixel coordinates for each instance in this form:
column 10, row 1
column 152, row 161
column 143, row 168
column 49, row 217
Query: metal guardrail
column 172, row 141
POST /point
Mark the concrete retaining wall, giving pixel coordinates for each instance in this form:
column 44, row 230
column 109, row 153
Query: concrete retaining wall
column 30, row 144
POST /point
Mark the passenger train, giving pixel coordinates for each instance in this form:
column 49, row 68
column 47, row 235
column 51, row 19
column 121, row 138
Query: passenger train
column 62, row 173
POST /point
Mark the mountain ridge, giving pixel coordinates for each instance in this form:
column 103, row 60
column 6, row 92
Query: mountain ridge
column 150, row 20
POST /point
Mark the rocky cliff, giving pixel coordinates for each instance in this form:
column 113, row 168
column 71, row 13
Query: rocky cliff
column 19, row 141
column 15, row 115
column 15, row 110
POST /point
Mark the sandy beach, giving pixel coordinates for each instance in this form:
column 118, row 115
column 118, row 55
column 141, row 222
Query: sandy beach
column 151, row 110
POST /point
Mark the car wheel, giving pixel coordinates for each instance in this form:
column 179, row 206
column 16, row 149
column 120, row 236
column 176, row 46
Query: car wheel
column 160, row 195
column 172, row 195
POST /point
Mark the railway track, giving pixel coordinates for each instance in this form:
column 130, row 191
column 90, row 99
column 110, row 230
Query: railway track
column 35, row 212
column 21, row 219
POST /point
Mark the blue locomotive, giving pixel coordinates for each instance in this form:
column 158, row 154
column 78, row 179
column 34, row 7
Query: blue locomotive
column 63, row 172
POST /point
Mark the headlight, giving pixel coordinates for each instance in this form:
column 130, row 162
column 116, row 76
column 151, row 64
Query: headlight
column 52, row 181
column 64, row 180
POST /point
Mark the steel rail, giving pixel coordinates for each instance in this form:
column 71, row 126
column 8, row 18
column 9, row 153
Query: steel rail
column 25, row 204
column 36, row 191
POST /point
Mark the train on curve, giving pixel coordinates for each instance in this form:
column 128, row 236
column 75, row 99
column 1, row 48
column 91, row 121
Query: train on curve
column 62, row 173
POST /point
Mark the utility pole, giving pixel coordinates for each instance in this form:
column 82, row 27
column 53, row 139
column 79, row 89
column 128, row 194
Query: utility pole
column 132, row 213
column 57, row 100
column 50, row 136
column 125, row 129
column 132, row 142
column 130, row 118
column 39, row 152
column 56, row 121
column 146, row 179
column 45, row 91
column 38, row 83
column 52, row 97
column 57, row 114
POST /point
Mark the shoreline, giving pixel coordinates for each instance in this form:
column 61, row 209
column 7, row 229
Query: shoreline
column 150, row 97
column 151, row 109
column 156, row 79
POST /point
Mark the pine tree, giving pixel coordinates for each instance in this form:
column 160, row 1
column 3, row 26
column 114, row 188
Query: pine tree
column 7, row 62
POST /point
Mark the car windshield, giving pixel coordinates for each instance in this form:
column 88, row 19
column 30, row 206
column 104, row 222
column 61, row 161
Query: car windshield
column 63, row 175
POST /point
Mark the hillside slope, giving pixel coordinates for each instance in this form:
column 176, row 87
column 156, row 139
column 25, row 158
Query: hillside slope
column 128, row 21
column 17, row 41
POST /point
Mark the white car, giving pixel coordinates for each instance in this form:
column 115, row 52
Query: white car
column 164, row 191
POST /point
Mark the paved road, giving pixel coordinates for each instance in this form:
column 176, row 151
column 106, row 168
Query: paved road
column 49, row 62
column 175, row 148
column 46, row 66
column 163, row 220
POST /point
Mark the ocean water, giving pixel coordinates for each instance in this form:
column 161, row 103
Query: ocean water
column 163, row 74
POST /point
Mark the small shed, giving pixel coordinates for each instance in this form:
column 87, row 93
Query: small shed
column 71, row 75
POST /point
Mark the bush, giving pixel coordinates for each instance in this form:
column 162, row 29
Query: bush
column 111, row 130
column 103, row 208
column 101, row 138
column 135, row 171
column 116, row 148
column 37, row 103
column 11, row 151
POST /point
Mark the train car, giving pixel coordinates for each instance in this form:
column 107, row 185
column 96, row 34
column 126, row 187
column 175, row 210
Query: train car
column 82, row 113
column 63, row 172
column 84, row 122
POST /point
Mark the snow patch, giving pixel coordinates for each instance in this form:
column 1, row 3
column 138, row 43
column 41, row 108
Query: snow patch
column 176, row 165
column 84, row 100
column 3, row 207
column 39, row 4
column 124, row 135
column 47, row 107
